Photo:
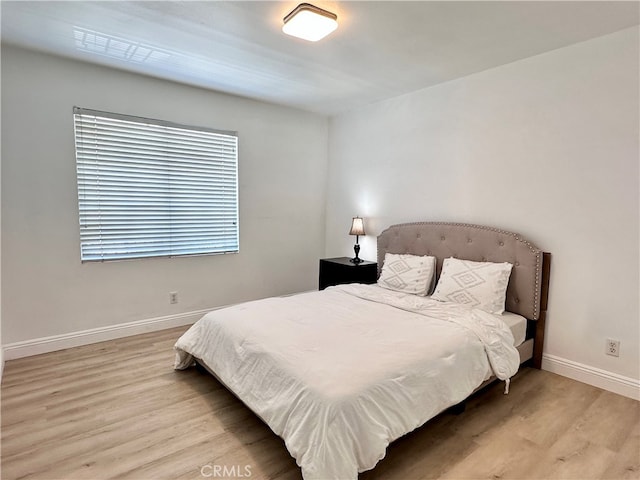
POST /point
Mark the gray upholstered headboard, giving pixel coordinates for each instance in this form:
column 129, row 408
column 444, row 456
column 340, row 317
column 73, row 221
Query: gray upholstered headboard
column 478, row 243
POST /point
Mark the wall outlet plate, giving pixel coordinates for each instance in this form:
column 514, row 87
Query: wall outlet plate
column 613, row 347
column 173, row 297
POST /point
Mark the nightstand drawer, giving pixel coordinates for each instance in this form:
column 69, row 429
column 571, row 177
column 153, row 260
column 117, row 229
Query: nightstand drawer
column 336, row 271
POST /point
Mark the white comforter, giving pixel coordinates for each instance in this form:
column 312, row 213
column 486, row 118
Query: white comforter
column 341, row 373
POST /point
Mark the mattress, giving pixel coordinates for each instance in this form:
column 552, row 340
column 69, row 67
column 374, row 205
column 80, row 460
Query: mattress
column 341, row 373
column 518, row 326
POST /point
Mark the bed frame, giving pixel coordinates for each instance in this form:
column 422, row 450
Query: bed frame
column 528, row 290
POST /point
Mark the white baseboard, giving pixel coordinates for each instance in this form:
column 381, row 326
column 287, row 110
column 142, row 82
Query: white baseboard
column 37, row 346
column 629, row 387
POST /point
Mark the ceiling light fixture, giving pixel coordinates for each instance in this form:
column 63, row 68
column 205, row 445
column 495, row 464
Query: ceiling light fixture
column 309, row 22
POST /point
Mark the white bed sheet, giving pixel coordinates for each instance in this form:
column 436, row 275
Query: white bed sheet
column 341, row 373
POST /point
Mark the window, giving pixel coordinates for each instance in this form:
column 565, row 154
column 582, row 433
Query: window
column 148, row 188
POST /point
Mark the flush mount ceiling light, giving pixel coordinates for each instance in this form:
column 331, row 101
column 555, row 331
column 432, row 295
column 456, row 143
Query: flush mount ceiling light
column 309, row 22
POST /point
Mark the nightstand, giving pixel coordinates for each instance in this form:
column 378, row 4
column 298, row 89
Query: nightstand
column 335, row 271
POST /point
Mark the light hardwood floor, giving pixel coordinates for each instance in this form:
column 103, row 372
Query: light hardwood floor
column 118, row 410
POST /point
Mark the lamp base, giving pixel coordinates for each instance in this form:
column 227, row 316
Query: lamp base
column 356, row 259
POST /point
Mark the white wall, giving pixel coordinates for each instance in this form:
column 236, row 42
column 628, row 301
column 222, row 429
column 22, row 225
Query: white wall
column 46, row 291
column 547, row 147
column 1, row 349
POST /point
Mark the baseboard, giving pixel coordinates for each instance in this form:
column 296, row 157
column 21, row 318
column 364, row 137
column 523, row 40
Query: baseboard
column 37, row 346
column 629, row 387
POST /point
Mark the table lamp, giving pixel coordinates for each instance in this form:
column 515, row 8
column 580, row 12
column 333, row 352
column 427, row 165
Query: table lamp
column 357, row 229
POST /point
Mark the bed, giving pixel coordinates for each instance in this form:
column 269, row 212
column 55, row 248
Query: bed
column 341, row 373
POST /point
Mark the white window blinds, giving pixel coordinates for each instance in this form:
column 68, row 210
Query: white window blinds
column 148, row 188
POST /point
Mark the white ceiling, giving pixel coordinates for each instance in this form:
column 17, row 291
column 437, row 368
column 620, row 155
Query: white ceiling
column 380, row 50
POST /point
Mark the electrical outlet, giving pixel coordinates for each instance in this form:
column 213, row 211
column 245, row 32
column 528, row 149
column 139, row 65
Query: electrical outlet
column 173, row 297
column 613, row 347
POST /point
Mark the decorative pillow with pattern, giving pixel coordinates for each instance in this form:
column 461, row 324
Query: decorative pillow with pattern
column 408, row 273
column 480, row 285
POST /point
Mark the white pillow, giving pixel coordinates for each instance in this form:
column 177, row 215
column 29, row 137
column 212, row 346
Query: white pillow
column 408, row 273
column 480, row 285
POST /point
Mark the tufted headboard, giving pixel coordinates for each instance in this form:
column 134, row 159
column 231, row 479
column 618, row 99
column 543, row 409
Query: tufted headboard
column 478, row 243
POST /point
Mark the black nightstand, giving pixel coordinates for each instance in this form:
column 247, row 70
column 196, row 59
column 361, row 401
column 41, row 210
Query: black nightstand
column 335, row 271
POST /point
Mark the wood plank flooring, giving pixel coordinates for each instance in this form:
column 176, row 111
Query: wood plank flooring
column 117, row 409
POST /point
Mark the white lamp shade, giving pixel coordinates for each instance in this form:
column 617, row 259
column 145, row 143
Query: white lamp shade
column 357, row 226
column 309, row 23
